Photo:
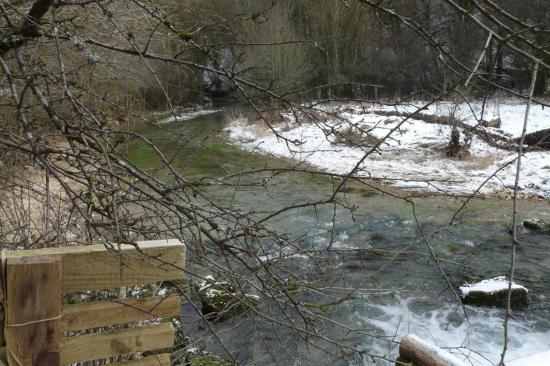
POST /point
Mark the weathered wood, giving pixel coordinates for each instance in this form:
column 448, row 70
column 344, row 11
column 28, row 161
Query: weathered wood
column 421, row 353
column 119, row 311
column 3, row 356
column 3, row 313
column 102, row 345
column 2, row 319
column 93, row 267
column 33, row 310
column 155, row 360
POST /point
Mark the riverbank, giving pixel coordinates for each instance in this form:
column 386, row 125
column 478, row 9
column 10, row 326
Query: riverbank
column 413, row 156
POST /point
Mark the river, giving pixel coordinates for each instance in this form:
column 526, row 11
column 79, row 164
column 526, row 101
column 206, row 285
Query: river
column 398, row 294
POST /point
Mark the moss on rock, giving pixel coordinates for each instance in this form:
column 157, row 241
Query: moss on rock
column 221, row 300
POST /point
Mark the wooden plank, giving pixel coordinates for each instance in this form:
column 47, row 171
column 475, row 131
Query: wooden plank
column 3, row 313
column 120, row 311
column 102, row 345
column 93, row 267
column 2, row 319
column 33, row 310
column 155, row 360
column 3, row 356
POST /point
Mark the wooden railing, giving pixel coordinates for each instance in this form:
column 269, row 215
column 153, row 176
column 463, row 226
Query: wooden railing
column 37, row 323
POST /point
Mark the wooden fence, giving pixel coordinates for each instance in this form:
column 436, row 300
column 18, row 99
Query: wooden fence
column 38, row 325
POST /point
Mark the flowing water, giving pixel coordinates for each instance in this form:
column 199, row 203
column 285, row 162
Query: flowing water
column 408, row 295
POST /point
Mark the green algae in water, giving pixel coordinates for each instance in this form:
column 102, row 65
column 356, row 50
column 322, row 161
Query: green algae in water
column 207, row 360
column 143, row 157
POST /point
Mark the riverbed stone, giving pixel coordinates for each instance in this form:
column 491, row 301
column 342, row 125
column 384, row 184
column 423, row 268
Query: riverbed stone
column 494, row 292
column 536, row 224
column 497, row 299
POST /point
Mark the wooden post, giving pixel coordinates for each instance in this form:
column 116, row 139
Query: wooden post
column 34, row 301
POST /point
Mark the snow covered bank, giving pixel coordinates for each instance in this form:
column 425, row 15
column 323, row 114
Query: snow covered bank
column 414, row 155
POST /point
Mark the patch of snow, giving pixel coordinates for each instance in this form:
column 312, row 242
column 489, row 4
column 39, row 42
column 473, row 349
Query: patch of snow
column 490, row 286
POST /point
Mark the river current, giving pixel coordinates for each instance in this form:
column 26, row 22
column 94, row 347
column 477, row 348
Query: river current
column 398, row 294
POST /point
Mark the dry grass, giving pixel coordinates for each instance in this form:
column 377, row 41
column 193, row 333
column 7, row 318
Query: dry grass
column 480, row 162
column 354, row 137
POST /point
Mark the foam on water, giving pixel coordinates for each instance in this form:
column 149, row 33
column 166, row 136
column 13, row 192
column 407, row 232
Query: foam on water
column 478, row 341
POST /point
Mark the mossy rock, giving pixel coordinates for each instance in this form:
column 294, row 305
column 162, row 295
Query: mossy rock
column 221, row 301
column 536, row 224
column 498, row 298
column 205, row 360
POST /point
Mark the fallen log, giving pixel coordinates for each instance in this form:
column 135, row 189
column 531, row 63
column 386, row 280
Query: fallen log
column 539, row 139
column 492, row 138
column 420, row 353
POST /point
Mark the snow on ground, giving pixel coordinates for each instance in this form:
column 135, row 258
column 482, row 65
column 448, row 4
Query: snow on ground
column 413, row 158
column 489, row 286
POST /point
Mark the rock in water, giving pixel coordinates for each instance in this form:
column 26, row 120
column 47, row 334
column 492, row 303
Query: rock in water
column 221, row 300
column 493, row 292
column 536, row 224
